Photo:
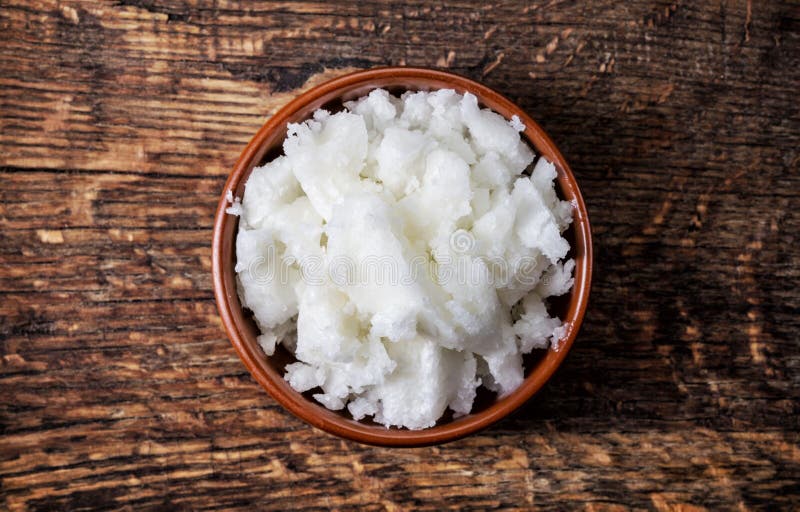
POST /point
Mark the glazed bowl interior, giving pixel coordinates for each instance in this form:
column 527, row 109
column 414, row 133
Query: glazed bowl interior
column 269, row 371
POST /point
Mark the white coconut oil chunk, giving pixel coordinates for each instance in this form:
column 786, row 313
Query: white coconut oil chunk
column 401, row 252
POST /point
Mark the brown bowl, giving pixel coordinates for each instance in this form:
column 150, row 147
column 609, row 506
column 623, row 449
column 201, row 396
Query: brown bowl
column 269, row 371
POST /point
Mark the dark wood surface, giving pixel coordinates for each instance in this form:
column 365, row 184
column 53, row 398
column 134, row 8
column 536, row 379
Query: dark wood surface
column 119, row 122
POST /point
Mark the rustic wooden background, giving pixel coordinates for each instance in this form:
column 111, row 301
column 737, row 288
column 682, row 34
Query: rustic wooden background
column 119, row 122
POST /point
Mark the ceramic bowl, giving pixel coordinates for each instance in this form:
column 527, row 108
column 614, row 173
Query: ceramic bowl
column 269, row 371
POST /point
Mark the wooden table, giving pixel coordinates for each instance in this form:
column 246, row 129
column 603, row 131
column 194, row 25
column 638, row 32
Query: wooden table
column 119, row 122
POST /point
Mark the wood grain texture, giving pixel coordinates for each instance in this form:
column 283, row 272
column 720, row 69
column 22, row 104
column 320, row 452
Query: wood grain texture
column 119, row 122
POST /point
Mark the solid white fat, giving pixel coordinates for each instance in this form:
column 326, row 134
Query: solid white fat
column 404, row 242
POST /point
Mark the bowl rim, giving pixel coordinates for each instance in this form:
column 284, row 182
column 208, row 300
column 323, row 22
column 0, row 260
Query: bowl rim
column 316, row 414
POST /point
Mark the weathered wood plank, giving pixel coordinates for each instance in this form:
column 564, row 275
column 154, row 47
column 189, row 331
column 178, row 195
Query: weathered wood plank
column 120, row 120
